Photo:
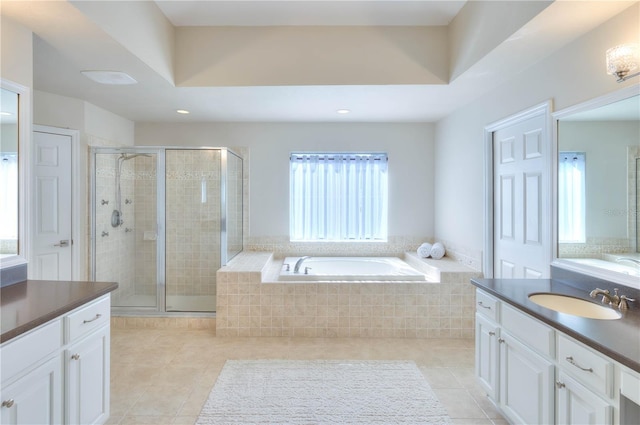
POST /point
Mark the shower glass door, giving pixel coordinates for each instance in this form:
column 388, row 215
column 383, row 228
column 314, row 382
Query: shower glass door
column 125, row 225
column 193, row 216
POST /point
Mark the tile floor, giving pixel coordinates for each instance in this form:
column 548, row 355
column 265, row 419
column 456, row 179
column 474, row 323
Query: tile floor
column 163, row 376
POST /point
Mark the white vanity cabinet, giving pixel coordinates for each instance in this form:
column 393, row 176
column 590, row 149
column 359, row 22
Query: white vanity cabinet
column 487, row 355
column 87, row 363
column 36, row 397
column 539, row 375
column 87, row 377
column 59, row 372
column 577, row 405
column 526, row 383
column 585, row 384
column 518, row 377
column 31, row 371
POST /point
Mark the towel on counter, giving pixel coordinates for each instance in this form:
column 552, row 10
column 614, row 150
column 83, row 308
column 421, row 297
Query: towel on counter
column 437, row 250
column 424, row 250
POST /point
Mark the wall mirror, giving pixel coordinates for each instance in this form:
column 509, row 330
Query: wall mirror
column 14, row 143
column 597, row 185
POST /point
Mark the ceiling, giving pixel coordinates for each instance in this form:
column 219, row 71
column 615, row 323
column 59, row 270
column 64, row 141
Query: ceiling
column 325, row 12
column 71, row 36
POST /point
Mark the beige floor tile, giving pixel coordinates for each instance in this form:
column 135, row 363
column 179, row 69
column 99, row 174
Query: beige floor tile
column 440, row 377
column 147, row 420
column 113, row 420
column 185, row 420
column 165, row 375
column 459, row 404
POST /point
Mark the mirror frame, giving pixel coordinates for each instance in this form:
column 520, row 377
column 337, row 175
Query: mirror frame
column 24, row 148
column 621, row 278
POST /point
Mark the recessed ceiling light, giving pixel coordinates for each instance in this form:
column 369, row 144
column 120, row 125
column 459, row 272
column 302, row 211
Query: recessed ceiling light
column 109, row 77
column 343, row 111
column 182, row 111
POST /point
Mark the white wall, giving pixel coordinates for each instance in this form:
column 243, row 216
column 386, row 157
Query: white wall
column 572, row 75
column 17, row 52
column 410, row 149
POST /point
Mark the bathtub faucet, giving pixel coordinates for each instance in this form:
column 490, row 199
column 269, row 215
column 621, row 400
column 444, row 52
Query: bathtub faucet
column 296, row 268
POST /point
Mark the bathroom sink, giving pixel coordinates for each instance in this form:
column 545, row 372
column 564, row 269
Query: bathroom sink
column 574, row 306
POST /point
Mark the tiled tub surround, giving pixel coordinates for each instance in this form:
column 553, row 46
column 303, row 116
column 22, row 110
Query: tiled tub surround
column 395, row 246
column 252, row 302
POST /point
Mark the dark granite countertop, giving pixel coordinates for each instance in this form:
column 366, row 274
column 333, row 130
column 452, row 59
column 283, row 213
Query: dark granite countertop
column 618, row 339
column 28, row 304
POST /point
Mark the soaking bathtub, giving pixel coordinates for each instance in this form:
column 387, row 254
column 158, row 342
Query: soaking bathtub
column 380, row 269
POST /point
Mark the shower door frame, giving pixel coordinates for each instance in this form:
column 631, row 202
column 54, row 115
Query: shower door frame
column 160, row 151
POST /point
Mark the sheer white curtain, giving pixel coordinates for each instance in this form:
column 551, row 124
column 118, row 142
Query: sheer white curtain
column 337, row 197
column 571, row 197
column 9, row 196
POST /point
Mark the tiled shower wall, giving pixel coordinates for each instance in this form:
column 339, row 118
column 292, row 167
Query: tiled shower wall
column 145, row 228
column 193, row 221
column 115, row 248
column 235, row 194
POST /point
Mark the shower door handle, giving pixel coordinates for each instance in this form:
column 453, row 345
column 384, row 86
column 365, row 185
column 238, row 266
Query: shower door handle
column 63, row 243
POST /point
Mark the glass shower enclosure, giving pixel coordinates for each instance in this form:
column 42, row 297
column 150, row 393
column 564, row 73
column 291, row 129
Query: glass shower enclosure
column 163, row 221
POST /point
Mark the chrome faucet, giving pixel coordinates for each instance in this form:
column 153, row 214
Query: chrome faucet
column 296, row 268
column 615, row 300
column 631, row 260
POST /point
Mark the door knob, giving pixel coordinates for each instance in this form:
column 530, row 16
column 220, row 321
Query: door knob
column 62, row 244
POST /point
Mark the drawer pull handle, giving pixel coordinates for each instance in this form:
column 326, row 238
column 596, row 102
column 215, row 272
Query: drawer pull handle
column 559, row 384
column 75, row 356
column 573, row 362
column 501, row 340
column 488, row 307
column 95, row 318
column 491, row 333
column 8, row 403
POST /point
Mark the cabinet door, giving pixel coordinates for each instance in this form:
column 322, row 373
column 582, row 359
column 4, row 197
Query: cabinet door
column 35, row 398
column 88, row 379
column 526, row 383
column 487, row 334
column 580, row 406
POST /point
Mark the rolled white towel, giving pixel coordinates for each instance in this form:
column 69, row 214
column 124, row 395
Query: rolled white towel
column 437, row 250
column 424, row 250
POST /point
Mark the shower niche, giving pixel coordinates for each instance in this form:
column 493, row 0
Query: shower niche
column 163, row 221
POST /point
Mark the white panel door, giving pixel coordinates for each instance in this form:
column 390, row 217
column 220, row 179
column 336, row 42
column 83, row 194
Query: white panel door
column 521, row 199
column 52, row 243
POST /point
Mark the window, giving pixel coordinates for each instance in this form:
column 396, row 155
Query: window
column 571, row 197
column 338, row 197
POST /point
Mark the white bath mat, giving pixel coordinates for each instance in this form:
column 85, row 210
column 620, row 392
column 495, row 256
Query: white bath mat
column 321, row 392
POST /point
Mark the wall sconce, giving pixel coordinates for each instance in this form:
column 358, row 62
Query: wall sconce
column 623, row 59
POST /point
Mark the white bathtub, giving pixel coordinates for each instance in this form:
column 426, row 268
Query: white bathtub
column 379, row 269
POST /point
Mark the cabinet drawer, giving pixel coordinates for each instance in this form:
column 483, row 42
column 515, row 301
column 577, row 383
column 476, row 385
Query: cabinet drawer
column 87, row 318
column 630, row 386
column 25, row 351
column 486, row 305
column 532, row 332
column 588, row 367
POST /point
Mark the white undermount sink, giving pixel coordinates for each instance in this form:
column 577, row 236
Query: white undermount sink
column 574, row 306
